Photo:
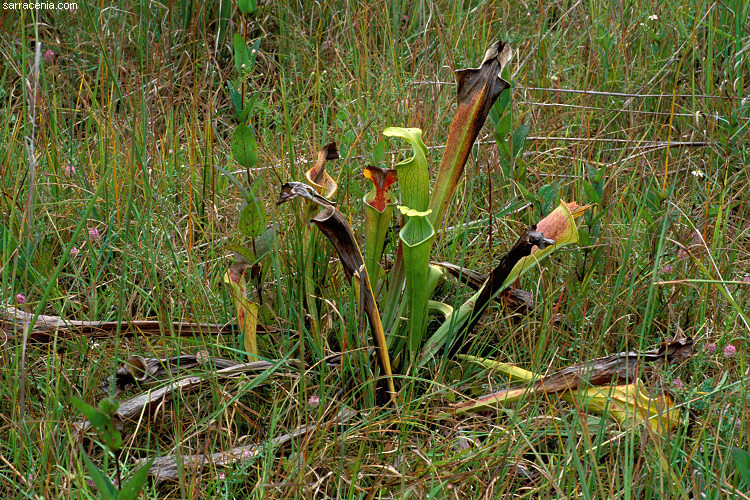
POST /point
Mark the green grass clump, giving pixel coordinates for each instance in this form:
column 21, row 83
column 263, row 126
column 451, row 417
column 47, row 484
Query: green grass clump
column 115, row 207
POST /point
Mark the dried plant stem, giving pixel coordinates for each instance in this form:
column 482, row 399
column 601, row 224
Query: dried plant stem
column 33, row 86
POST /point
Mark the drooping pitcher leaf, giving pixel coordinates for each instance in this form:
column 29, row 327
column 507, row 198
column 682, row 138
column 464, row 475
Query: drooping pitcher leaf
column 559, row 225
column 325, row 186
column 465, row 318
column 247, row 311
column 628, row 405
column 557, row 229
column 477, row 91
column 336, row 228
column 512, row 372
column 244, row 148
column 317, row 176
column 608, row 384
column 378, row 209
column 532, row 239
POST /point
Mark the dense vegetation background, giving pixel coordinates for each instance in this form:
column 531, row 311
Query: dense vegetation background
column 117, row 205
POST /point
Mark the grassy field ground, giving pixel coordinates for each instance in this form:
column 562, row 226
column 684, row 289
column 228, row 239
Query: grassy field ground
column 117, row 205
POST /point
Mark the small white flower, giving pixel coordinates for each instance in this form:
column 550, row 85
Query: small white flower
column 653, row 18
column 698, row 173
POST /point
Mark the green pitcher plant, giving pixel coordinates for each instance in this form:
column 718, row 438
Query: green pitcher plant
column 404, row 291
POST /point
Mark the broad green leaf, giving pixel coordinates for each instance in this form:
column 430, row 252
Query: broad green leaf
column 246, row 6
column 108, row 406
column 249, row 108
column 102, row 482
column 266, row 241
column 251, row 220
column 591, row 192
column 243, row 252
column 102, row 423
column 519, row 138
column 742, row 464
column 244, row 149
column 241, row 54
column 235, row 97
column 133, row 486
column 239, row 185
column 502, row 131
column 254, row 53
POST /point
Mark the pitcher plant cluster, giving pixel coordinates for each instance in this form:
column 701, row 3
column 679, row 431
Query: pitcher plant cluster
column 397, row 302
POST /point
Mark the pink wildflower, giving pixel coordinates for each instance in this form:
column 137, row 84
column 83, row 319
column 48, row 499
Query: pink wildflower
column 94, row 234
column 678, row 383
column 74, row 251
column 711, row 348
column 730, row 351
column 70, row 170
column 21, row 298
column 48, row 57
column 313, row 401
